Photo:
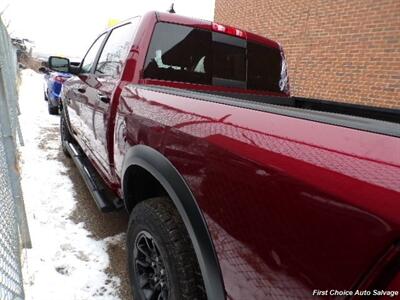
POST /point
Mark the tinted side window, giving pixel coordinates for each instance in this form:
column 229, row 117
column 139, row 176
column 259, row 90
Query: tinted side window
column 90, row 57
column 115, row 50
column 264, row 67
column 179, row 53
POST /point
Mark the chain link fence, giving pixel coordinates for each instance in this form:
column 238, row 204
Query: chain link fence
column 14, row 234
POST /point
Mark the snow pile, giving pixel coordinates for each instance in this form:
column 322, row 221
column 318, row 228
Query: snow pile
column 65, row 262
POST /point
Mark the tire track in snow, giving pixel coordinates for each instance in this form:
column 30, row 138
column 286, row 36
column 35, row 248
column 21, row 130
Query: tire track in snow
column 69, row 258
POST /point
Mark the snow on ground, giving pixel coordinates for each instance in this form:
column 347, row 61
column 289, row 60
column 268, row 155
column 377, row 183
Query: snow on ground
column 65, row 261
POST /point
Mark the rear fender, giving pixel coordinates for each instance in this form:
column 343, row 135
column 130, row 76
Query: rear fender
column 162, row 169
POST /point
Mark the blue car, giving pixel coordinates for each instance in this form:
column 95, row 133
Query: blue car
column 52, row 90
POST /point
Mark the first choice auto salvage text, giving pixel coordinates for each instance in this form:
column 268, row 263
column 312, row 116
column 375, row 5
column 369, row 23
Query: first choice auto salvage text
column 355, row 293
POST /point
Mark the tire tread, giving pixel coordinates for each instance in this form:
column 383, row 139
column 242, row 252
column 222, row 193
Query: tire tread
column 190, row 279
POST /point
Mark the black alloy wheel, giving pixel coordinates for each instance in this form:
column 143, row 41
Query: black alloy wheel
column 150, row 268
column 162, row 263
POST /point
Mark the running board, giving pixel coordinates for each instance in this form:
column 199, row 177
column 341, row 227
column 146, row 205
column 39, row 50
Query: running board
column 99, row 192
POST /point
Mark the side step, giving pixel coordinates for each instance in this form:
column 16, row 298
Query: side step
column 104, row 199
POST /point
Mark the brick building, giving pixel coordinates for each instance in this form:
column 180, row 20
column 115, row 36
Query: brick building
column 344, row 50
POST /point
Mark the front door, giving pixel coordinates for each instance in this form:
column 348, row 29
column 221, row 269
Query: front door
column 78, row 96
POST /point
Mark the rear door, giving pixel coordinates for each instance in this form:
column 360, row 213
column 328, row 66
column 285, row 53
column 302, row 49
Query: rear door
column 101, row 89
column 77, row 98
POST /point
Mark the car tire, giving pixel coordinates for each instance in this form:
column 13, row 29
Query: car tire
column 65, row 135
column 53, row 110
column 45, row 96
column 161, row 258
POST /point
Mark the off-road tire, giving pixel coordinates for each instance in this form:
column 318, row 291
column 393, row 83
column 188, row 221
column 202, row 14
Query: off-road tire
column 159, row 217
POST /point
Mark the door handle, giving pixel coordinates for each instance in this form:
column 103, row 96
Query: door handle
column 81, row 90
column 104, row 98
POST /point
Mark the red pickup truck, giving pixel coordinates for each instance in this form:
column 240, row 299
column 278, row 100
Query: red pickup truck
column 235, row 189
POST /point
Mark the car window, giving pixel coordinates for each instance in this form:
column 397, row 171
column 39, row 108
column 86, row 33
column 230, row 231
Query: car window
column 115, row 50
column 229, row 61
column 264, row 68
column 90, row 57
column 179, row 53
column 187, row 54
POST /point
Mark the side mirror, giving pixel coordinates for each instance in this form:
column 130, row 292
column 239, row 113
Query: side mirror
column 59, row 64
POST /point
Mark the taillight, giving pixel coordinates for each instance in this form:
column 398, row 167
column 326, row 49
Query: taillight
column 60, row 79
column 228, row 30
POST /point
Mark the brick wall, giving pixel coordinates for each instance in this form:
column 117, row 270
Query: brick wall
column 344, row 50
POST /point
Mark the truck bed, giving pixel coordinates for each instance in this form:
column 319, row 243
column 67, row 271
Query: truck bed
column 370, row 119
column 268, row 176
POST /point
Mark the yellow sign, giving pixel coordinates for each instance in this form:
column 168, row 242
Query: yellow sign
column 112, row 22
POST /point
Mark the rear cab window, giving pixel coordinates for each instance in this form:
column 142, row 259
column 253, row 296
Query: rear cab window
column 186, row 54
